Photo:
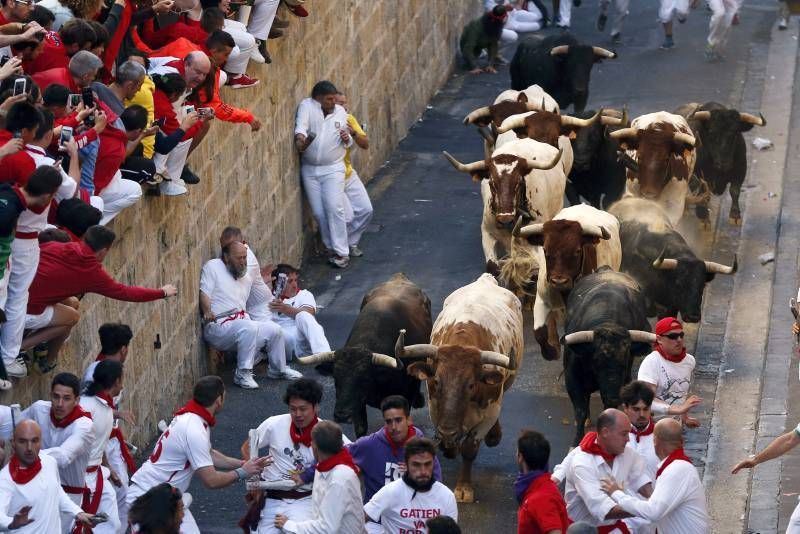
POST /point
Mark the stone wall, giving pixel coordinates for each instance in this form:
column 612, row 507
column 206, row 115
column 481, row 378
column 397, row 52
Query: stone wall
column 389, row 56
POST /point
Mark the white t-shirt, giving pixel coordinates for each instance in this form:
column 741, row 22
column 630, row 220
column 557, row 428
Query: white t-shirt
column 260, row 295
column 400, row 509
column 6, row 424
column 102, row 422
column 288, row 457
column 672, row 380
column 327, row 150
column 225, row 292
column 303, row 299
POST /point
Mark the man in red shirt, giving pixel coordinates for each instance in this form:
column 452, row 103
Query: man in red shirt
column 73, row 36
column 69, row 269
column 541, row 507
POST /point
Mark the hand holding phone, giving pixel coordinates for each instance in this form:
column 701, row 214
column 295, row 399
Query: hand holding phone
column 20, row 84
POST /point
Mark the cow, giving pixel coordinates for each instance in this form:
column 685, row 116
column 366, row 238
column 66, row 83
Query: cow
column 522, row 176
column 658, row 257
column 363, row 372
column 559, row 64
column 575, row 243
column 605, row 329
column 662, row 146
column 721, row 149
column 470, row 363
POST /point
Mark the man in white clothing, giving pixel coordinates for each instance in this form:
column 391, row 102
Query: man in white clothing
column 722, row 13
column 262, row 17
column 336, row 499
column 405, row 504
column 678, row 502
column 670, row 10
column 31, row 499
column 637, row 398
column 321, row 136
column 260, row 296
column 224, row 289
column 185, row 449
column 618, row 17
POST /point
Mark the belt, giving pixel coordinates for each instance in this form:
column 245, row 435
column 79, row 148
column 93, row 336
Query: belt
column 92, row 468
column 238, row 315
column 26, row 235
column 287, row 494
column 74, row 490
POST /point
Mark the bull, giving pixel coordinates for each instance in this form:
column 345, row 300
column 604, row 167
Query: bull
column 605, row 329
column 657, row 256
column 560, row 65
column 721, row 149
column 363, row 372
column 470, row 363
column 574, row 244
column 662, row 146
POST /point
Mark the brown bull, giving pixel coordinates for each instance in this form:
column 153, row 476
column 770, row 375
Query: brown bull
column 545, row 126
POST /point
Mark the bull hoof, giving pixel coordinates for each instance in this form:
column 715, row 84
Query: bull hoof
column 735, row 221
column 550, row 353
column 464, row 493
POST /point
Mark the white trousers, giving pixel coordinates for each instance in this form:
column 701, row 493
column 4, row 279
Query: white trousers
column 245, row 44
column 326, row 195
column 304, row 336
column 23, row 269
column 358, row 208
column 4, row 284
column 261, row 17
column 117, row 463
column 521, row 20
column 794, row 521
column 172, row 164
column 118, row 195
column 247, row 337
column 620, row 12
column 565, row 12
column 297, row 509
column 722, row 12
column 669, row 9
column 506, row 37
column 108, row 502
column 67, row 519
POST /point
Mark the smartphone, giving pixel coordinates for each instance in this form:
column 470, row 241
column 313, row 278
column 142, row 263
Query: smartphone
column 188, row 109
column 20, row 84
column 66, row 135
column 205, row 112
column 4, row 60
column 18, row 134
column 310, row 137
column 74, row 100
column 88, row 97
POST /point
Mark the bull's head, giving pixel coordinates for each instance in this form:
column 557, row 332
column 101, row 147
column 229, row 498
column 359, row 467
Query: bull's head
column 546, row 126
column 569, row 248
column 720, row 130
column 587, row 141
column 577, row 62
column 657, row 151
column 497, row 113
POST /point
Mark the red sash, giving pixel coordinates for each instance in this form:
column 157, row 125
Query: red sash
column 116, row 432
column 90, row 503
column 238, row 315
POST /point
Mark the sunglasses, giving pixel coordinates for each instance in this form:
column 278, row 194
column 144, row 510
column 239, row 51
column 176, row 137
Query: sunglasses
column 674, row 336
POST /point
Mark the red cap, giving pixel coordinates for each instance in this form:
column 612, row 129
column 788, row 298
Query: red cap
column 667, row 324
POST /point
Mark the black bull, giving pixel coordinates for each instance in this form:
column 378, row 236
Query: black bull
column 606, row 327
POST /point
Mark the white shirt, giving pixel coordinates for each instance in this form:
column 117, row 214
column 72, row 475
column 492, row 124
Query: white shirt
column 102, row 422
column 43, row 494
column 288, row 458
column 225, row 292
column 6, row 422
column 88, row 378
column 69, row 446
column 647, row 450
column 260, row 296
column 678, row 503
column 672, row 380
column 303, row 299
column 30, row 221
column 400, row 509
column 327, row 149
column 335, row 505
column 181, row 450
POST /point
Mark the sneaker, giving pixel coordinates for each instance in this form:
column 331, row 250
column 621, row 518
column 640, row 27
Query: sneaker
column 242, row 81
column 783, row 23
column 616, row 38
column 355, row 251
column 298, row 11
column 668, row 43
column 601, row 22
column 339, row 261
column 172, row 188
column 256, row 56
column 287, row 374
column 244, row 379
column 712, row 55
column 262, row 49
column 682, row 19
column 188, row 177
column 16, row 368
column 278, row 23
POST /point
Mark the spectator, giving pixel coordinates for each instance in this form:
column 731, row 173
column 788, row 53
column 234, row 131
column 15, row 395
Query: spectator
column 15, row 11
column 136, row 167
column 637, row 399
column 59, row 47
column 620, row 12
column 144, row 98
column 264, row 23
column 358, row 207
column 260, row 296
column 64, row 10
column 100, row 42
column 74, row 216
column 322, row 137
column 670, row 10
column 442, row 525
column 483, row 34
column 245, row 47
column 336, row 499
column 541, row 507
column 159, row 510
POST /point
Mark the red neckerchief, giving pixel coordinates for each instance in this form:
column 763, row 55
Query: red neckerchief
column 677, row 454
column 589, row 444
column 106, row 397
column 196, row 408
column 674, row 359
column 397, row 446
column 76, row 413
column 116, row 432
column 100, row 357
column 340, row 458
column 303, row 437
column 22, row 475
column 646, row 432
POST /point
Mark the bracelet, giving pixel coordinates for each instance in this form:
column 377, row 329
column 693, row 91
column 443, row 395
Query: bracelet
column 241, row 474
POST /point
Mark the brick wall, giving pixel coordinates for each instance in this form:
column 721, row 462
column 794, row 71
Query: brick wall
column 390, row 56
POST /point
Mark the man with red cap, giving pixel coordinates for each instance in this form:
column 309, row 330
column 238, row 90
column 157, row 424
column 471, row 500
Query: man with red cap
column 668, row 371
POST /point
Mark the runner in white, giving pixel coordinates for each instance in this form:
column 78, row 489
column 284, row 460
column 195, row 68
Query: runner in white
column 405, row 504
column 636, row 398
column 185, row 448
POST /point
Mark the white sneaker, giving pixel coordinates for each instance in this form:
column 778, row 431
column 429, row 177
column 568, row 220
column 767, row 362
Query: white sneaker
column 355, row 251
column 783, row 23
column 287, row 374
column 256, row 56
column 16, row 368
column 173, row 188
column 244, row 379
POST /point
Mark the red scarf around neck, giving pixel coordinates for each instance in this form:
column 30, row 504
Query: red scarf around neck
column 397, row 446
column 22, row 475
column 677, row 454
column 641, row 433
column 196, row 408
column 106, row 397
column 100, row 357
column 76, row 413
column 342, row 457
column 674, row 359
column 303, row 437
column 589, row 444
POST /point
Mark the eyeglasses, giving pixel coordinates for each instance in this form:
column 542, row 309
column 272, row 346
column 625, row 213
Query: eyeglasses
column 28, row 3
column 674, row 336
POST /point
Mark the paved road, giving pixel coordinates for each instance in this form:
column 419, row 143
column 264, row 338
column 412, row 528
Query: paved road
column 427, row 225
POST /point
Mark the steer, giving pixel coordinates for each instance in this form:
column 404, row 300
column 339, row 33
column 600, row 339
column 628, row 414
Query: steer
column 655, row 254
column 363, row 373
column 606, row 328
column 470, row 363
column 721, row 149
column 574, row 244
column 662, row 145
column 560, row 65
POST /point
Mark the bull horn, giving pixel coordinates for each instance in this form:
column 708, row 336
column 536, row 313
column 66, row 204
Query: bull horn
column 752, row 119
column 412, row 351
column 559, row 50
column 533, row 164
column 642, row 336
column 680, row 137
column 714, row 267
column 628, row 162
column 624, row 133
column 665, row 264
column 495, row 358
column 511, row 123
column 529, row 230
column 477, row 114
column 612, row 117
column 595, row 231
column 567, row 120
column 386, row 361
column 487, row 135
column 583, row 336
column 319, row 357
column 602, row 52
column 533, row 106
column 468, row 167
column 701, row 115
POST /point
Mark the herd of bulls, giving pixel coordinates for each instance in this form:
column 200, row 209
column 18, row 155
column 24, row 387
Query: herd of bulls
column 595, row 271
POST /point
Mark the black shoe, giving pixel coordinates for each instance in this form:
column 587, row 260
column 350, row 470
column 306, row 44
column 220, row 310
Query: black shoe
column 601, row 22
column 189, row 177
column 262, row 49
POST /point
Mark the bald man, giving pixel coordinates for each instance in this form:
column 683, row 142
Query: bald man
column 605, row 454
column 31, row 497
column 678, row 503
